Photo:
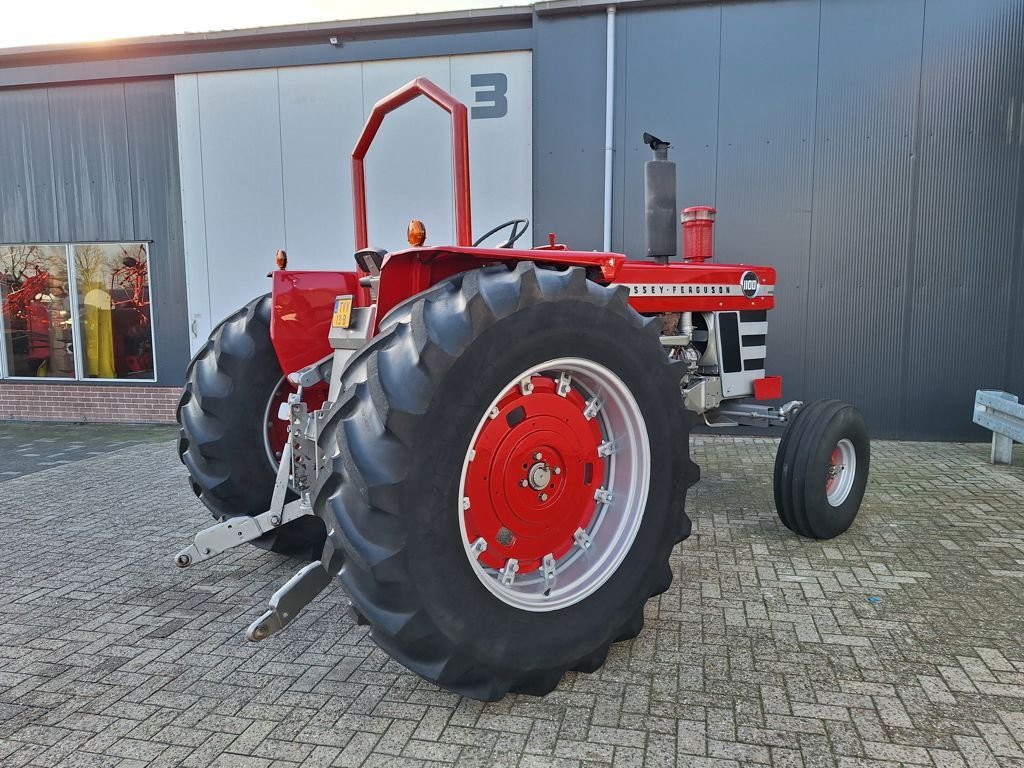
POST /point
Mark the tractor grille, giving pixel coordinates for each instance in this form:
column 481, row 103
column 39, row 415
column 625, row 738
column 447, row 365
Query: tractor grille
column 741, row 340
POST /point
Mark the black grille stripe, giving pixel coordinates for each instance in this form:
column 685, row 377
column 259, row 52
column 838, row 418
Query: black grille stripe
column 730, row 330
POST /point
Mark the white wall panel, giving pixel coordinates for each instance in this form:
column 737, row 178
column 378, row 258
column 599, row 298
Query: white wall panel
column 500, row 148
column 408, row 168
column 240, row 131
column 265, row 155
column 321, row 115
column 193, row 208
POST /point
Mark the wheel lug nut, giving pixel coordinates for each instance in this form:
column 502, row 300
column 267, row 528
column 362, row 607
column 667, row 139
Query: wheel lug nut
column 537, row 456
column 557, row 470
column 523, row 483
column 543, row 497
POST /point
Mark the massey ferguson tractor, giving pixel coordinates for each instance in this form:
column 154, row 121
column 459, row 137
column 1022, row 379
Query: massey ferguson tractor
column 490, row 446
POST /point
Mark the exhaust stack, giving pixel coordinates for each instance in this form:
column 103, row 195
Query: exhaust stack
column 659, row 202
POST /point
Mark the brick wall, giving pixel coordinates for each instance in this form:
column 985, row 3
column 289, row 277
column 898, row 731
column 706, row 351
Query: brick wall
column 30, row 401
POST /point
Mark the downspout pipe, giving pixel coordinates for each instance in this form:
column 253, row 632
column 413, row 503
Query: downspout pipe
column 609, row 127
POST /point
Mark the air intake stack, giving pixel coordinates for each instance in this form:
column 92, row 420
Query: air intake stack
column 659, row 202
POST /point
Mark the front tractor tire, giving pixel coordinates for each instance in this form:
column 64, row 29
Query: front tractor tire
column 225, row 412
column 511, row 459
column 821, row 469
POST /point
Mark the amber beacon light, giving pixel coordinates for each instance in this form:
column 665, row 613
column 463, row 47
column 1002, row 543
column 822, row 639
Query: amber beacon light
column 416, row 233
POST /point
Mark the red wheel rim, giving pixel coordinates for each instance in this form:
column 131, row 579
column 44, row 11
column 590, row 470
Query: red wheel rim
column 530, row 483
column 841, row 472
column 832, row 477
column 554, row 484
column 275, row 429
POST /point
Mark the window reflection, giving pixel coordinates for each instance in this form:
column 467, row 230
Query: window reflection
column 37, row 321
column 112, row 281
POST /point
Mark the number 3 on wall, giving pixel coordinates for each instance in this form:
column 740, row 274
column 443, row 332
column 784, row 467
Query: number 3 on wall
column 496, row 86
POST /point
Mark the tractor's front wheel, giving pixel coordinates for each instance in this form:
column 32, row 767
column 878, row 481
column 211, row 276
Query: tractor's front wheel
column 229, row 430
column 511, row 464
column 821, row 469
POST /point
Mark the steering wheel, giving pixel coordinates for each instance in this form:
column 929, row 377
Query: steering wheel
column 513, row 236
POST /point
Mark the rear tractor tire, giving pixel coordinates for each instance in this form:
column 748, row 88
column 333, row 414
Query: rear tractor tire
column 225, row 412
column 821, row 469
column 511, row 459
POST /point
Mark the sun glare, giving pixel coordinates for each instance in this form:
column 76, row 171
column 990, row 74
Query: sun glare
column 71, row 21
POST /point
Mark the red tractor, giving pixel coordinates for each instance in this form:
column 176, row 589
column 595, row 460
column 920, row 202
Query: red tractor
column 490, row 446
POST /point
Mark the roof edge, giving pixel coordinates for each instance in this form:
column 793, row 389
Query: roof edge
column 33, row 54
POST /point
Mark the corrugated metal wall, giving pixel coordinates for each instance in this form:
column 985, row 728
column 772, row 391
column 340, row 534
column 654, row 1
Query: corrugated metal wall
column 100, row 162
column 568, row 128
column 871, row 151
column 958, row 300
column 864, row 167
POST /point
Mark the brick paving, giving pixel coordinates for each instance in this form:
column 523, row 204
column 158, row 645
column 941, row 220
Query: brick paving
column 33, row 447
column 898, row 643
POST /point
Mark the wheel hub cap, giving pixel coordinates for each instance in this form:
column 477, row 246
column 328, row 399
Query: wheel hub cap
column 540, row 475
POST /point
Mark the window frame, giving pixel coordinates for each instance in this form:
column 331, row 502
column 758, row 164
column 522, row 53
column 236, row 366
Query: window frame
column 6, row 367
column 76, row 332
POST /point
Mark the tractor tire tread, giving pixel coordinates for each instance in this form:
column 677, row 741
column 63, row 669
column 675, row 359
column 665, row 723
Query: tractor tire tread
column 371, row 440
column 217, row 427
column 784, row 462
column 804, row 508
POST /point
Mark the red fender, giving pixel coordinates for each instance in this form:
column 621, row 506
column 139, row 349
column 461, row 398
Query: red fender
column 406, row 273
column 303, row 303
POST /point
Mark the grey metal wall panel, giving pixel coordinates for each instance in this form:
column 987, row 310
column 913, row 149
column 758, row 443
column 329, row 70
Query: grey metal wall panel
column 90, row 151
column 156, row 195
column 112, row 150
column 889, row 197
column 666, row 84
column 27, row 208
column 868, row 77
column 957, row 313
column 765, row 158
column 1013, row 377
column 568, row 129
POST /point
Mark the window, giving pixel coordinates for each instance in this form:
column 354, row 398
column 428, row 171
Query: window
column 37, row 317
column 79, row 311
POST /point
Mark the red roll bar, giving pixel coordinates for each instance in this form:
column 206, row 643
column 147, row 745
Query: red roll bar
column 421, row 86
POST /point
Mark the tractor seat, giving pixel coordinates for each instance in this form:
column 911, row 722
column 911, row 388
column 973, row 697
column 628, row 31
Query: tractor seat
column 369, row 260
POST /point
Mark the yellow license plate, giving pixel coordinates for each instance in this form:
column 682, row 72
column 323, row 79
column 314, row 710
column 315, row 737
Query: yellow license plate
column 342, row 312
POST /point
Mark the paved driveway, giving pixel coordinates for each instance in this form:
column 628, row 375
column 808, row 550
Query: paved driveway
column 900, row 642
